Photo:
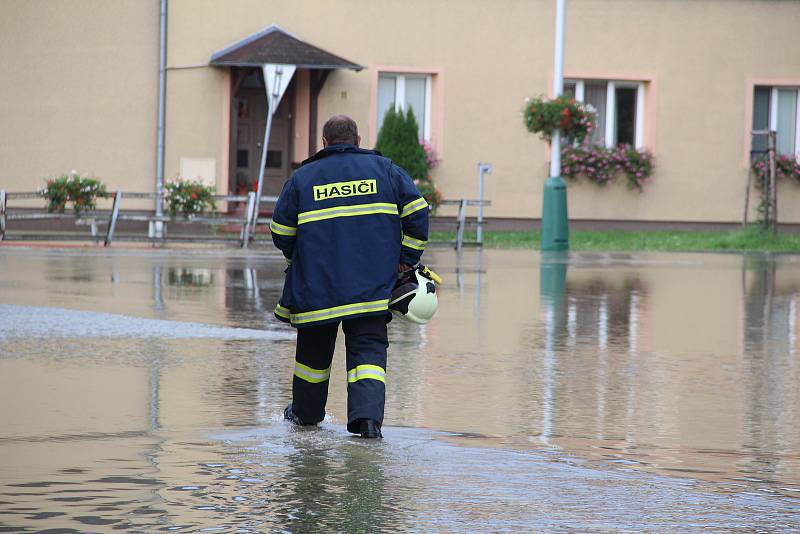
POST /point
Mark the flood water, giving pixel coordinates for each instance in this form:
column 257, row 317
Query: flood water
column 143, row 390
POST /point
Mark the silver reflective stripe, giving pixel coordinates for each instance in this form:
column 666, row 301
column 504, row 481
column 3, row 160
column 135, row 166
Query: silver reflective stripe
column 282, row 229
column 312, row 375
column 413, row 207
column 414, row 243
column 340, row 311
column 347, row 211
column 367, row 371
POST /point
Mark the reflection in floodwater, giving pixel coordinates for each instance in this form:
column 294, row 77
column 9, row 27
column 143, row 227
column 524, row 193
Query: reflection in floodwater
column 315, row 467
column 650, row 384
column 552, row 283
column 145, row 391
column 770, row 333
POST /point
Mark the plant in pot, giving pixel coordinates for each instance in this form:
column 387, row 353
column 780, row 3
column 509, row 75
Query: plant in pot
column 243, row 183
column 189, row 197
column 82, row 191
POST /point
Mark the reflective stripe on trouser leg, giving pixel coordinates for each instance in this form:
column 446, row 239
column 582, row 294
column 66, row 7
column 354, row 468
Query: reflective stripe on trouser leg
column 312, row 370
column 366, row 342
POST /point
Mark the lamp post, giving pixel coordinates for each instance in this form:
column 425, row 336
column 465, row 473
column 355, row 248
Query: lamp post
column 555, row 225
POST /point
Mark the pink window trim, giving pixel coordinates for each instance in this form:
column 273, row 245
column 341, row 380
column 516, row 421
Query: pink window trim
column 750, row 91
column 301, row 108
column 223, row 184
column 437, row 101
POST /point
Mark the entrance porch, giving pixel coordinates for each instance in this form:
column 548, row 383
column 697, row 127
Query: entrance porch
column 293, row 129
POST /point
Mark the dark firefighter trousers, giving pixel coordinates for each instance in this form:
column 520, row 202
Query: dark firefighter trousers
column 366, row 342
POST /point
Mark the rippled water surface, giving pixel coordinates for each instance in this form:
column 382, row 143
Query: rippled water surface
column 143, row 391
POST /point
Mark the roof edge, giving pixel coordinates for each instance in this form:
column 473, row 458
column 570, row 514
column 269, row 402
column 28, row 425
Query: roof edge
column 272, row 28
column 352, row 66
column 249, row 39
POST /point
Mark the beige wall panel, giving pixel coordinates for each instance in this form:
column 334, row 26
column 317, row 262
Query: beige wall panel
column 79, row 91
column 355, row 103
column 194, row 119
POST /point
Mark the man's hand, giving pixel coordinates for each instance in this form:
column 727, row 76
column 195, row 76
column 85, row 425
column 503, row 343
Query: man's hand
column 403, row 267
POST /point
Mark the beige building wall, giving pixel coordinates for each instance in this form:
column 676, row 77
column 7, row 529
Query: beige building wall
column 78, row 91
column 198, row 102
column 87, row 99
column 701, row 55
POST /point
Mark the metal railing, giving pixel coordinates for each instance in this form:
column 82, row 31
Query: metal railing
column 249, row 220
column 461, row 219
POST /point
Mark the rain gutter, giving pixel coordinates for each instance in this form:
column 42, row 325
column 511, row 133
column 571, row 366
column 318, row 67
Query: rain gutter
column 162, row 88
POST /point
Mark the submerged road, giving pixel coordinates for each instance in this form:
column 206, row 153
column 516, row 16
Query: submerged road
column 143, row 390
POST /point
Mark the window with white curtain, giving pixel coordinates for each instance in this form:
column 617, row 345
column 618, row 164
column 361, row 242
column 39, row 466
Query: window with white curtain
column 404, row 91
column 777, row 109
column 619, row 110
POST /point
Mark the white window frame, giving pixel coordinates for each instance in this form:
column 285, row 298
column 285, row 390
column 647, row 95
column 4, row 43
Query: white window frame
column 611, row 108
column 400, row 96
column 773, row 113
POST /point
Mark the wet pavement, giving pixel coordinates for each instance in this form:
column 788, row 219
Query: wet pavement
column 143, row 391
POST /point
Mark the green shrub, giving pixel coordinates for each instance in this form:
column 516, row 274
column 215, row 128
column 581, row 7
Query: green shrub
column 398, row 141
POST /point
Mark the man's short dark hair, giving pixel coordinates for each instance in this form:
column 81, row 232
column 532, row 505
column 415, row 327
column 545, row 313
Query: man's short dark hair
column 340, row 129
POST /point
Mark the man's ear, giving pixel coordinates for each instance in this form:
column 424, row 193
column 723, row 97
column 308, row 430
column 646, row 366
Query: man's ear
column 324, row 142
column 358, row 140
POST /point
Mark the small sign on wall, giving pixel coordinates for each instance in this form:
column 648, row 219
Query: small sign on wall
column 203, row 169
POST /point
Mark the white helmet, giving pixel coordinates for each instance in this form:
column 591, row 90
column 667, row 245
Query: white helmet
column 414, row 296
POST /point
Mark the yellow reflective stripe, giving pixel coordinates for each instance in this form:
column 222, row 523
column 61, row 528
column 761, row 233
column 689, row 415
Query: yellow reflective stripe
column 414, row 243
column 282, row 229
column 346, row 211
column 282, row 311
column 340, row 311
column 367, row 371
column 413, row 207
column 309, row 374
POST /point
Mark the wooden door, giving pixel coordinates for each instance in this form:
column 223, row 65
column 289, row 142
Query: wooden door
column 250, row 107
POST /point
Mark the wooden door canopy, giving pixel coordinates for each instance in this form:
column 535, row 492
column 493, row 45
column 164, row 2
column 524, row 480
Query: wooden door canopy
column 275, row 45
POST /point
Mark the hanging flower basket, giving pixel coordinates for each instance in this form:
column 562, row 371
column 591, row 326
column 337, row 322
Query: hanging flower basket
column 545, row 116
column 81, row 191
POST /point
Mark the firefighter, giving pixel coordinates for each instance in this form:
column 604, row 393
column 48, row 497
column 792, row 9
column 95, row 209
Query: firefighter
column 347, row 221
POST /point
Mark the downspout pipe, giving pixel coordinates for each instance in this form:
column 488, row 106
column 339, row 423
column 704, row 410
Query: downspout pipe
column 162, row 91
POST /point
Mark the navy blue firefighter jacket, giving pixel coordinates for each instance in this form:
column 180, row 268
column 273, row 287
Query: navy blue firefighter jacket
column 344, row 221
